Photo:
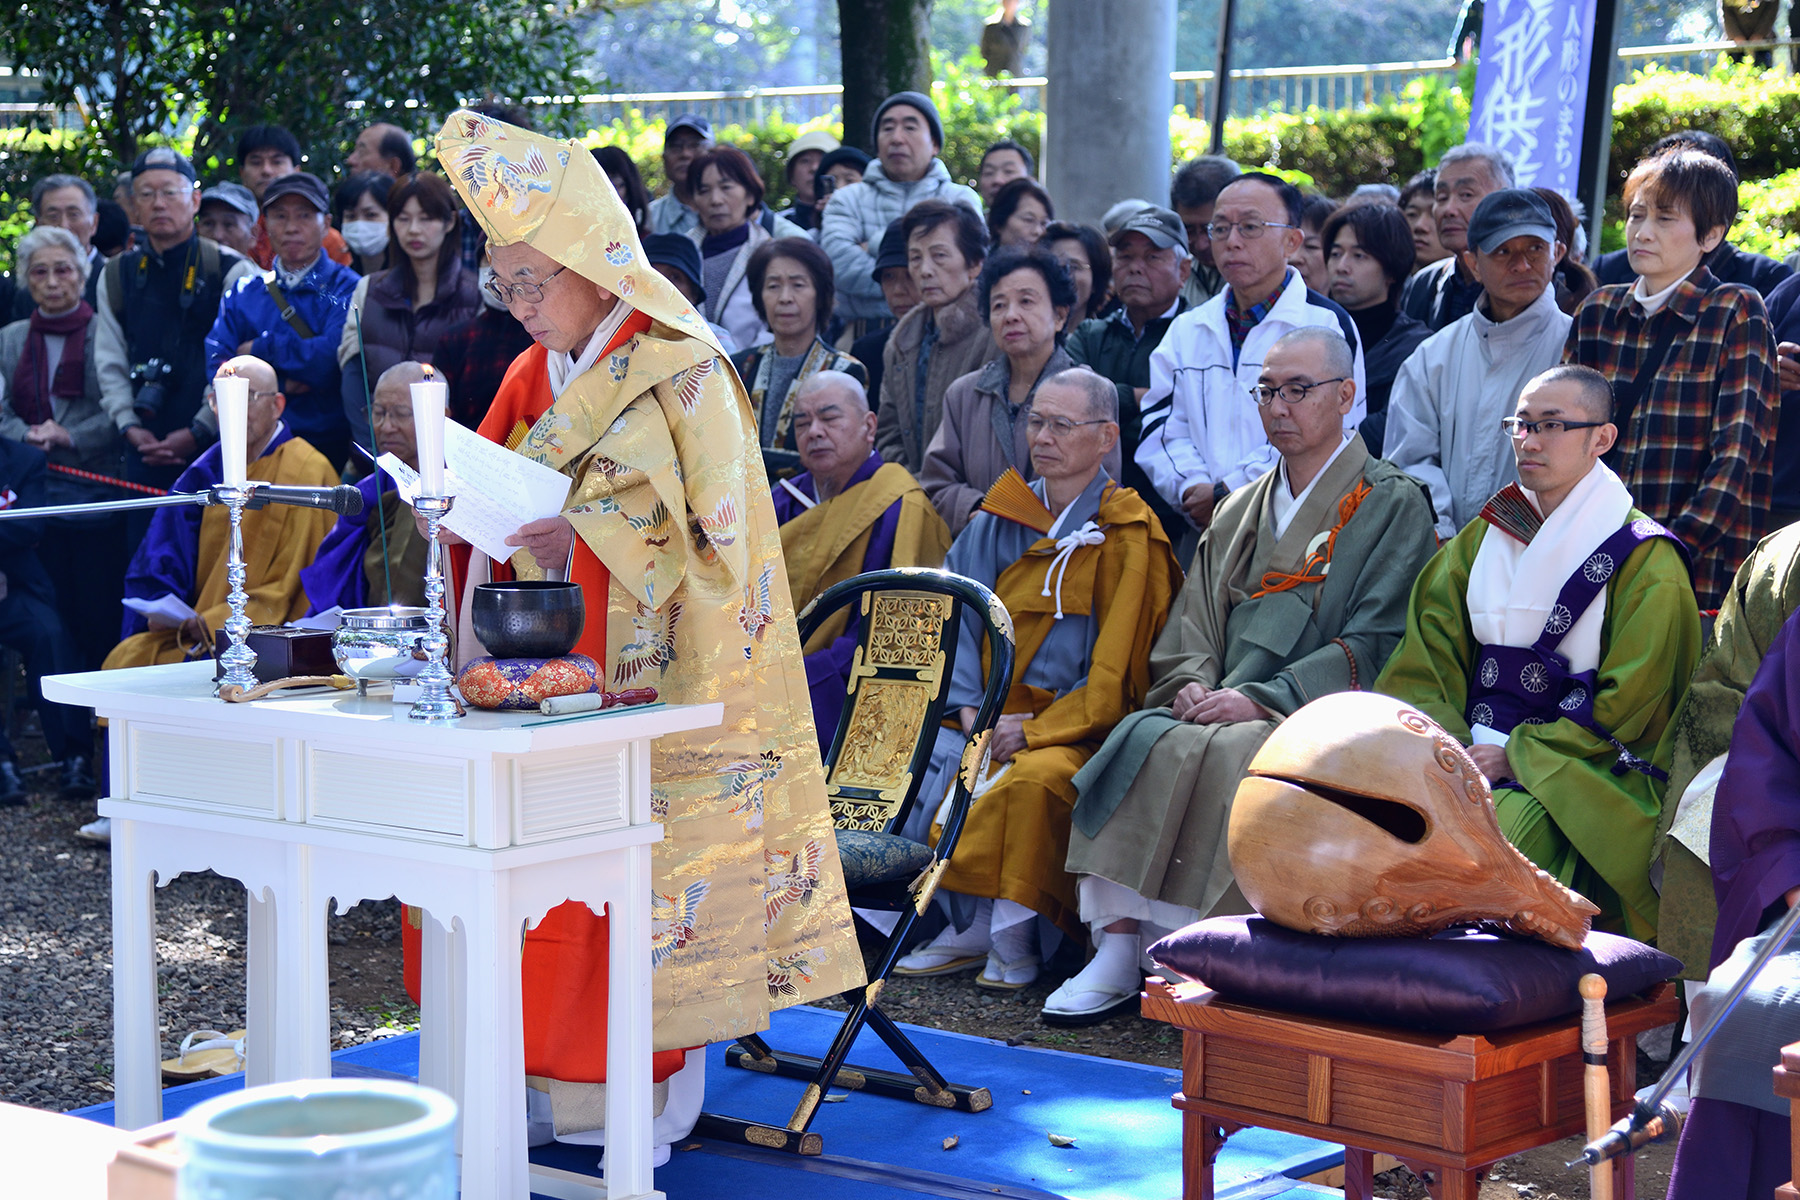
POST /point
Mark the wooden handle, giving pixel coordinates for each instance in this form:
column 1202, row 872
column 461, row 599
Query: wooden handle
column 1596, row 1083
column 233, row 694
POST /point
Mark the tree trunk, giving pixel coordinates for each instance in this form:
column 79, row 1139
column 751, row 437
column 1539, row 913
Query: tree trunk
column 886, row 49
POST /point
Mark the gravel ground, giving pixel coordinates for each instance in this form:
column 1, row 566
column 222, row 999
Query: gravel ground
column 56, row 988
column 56, row 958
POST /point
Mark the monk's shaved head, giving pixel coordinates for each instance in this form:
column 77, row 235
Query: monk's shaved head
column 1101, row 394
column 848, row 390
column 260, row 374
column 1336, row 357
column 1591, row 392
column 400, row 377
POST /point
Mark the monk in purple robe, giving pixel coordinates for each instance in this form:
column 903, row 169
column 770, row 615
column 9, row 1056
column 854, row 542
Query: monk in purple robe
column 376, row 557
column 846, row 514
column 1735, row 1145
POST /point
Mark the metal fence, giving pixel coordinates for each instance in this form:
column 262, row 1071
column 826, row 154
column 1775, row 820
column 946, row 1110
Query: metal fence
column 1253, row 90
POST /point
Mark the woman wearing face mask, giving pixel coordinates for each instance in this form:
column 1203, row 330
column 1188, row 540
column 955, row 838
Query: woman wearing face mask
column 360, row 210
column 398, row 315
column 476, row 354
column 728, row 194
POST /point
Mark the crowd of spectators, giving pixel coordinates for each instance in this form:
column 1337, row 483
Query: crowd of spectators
column 893, row 316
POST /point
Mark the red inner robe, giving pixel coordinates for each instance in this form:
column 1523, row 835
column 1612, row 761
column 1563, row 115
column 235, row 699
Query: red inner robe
column 565, row 970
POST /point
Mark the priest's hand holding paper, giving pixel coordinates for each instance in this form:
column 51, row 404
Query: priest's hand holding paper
column 548, row 540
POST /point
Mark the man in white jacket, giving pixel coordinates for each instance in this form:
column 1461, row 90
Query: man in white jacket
column 1202, row 437
column 908, row 135
column 1449, row 398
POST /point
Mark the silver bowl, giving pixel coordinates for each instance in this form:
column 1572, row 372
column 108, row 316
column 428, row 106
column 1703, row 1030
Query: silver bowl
column 377, row 644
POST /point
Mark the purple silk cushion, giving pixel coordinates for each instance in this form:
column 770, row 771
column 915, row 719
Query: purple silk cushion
column 1461, row 981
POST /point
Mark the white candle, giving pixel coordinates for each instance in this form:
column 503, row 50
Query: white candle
column 231, row 394
column 428, row 398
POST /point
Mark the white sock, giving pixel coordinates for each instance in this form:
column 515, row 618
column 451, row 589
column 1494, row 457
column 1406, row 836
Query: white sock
column 1114, row 967
column 1016, row 941
column 976, row 939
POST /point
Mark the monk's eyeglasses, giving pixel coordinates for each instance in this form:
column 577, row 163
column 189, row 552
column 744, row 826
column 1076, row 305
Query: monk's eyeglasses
column 1518, row 427
column 530, row 293
column 1292, row 393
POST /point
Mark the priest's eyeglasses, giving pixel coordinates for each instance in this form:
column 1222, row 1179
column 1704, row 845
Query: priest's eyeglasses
column 530, row 293
column 1518, row 427
column 1059, row 427
column 1291, row 393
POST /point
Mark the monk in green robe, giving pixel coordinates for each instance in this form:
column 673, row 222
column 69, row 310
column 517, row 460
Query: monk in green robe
column 1298, row 589
column 1554, row 636
column 1763, row 595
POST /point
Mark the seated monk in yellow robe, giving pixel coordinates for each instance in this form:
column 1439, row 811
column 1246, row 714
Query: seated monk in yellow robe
column 847, row 513
column 1087, row 573
column 669, row 529
column 184, row 553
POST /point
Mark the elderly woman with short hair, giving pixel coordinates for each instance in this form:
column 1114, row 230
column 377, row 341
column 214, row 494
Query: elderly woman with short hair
column 728, row 195
column 52, row 401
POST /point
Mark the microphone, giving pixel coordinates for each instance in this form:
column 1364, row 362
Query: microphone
column 344, row 499
column 1642, row 1127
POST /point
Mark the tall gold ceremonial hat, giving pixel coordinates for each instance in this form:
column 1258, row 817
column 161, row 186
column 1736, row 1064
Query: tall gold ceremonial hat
column 553, row 196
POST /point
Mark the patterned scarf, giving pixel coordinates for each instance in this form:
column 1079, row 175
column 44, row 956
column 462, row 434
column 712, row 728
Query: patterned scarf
column 34, row 382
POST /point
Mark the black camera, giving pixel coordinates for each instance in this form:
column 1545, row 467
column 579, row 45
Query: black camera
column 824, row 185
column 152, row 390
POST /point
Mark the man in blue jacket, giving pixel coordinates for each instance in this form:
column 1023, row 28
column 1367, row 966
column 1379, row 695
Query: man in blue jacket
column 292, row 317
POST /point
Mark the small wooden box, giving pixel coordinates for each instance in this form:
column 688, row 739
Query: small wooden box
column 144, row 1169
column 282, row 652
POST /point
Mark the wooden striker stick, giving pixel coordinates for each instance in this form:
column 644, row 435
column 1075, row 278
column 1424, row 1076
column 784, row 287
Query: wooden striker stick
column 1597, row 1086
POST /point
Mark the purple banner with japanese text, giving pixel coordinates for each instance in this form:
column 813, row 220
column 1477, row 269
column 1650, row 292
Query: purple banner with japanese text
column 1531, row 84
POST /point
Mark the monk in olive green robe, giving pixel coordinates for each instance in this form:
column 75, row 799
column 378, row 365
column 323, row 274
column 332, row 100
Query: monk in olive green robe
column 1762, row 596
column 1156, row 799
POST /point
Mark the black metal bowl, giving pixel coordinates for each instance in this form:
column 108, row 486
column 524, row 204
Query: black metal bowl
column 539, row 619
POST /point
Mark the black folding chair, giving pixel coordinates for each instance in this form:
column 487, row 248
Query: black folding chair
column 878, row 756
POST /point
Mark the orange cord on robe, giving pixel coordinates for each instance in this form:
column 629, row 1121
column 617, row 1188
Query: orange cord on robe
column 565, row 969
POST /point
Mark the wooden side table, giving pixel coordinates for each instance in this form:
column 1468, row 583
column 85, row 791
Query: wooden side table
column 1446, row 1105
column 1787, row 1086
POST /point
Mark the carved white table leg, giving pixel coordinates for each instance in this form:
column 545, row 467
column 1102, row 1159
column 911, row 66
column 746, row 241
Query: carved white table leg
column 137, row 1073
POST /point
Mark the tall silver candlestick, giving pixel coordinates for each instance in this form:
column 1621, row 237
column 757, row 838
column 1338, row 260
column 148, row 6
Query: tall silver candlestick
column 435, row 702
column 239, row 659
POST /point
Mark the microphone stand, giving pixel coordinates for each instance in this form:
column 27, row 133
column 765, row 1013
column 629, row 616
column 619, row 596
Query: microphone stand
column 239, row 660
column 1654, row 1121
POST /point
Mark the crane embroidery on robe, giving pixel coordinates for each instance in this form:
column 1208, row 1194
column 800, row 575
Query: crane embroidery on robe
column 792, row 877
column 655, row 527
column 757, row 613
column 689, row 383
column 672, row 920
column 654, row 648
column 721, row 524
column 784, row 970
column 746, row 788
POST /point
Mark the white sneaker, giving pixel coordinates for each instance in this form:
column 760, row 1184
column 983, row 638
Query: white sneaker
column 98, row 830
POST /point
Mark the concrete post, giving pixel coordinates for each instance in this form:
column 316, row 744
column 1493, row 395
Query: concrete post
column 1106, row 135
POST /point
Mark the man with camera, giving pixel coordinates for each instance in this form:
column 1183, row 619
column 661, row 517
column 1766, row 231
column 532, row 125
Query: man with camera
column 155, row 306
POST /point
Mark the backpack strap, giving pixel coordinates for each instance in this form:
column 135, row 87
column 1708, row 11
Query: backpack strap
column 115, row 286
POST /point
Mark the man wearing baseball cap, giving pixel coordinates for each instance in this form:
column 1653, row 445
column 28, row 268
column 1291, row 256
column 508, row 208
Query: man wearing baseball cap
column 1151, row 262
column 908, row 134
column 228, row 215
column 688, row 137
column 292, row 317
column 804, row 154
column 154, row 306
column 1449, row 398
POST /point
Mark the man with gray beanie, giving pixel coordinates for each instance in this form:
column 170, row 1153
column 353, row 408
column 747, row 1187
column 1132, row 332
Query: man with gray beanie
column 908, row 135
